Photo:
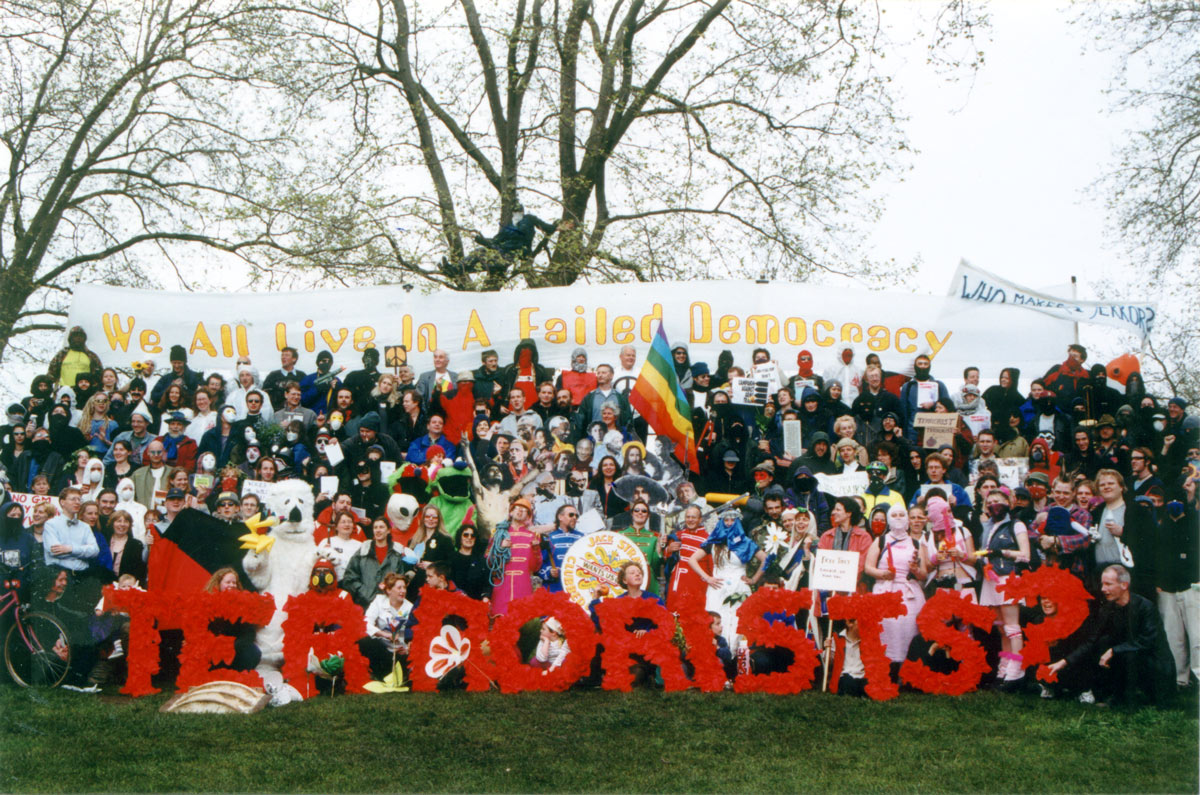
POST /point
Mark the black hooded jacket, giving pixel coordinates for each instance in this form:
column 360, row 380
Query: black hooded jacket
column 1000, row 401
column 508, row 374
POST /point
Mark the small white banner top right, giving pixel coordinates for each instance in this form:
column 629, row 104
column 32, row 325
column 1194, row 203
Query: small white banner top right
column 974, row 284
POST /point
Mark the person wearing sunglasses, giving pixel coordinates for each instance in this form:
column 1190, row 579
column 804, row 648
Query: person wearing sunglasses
column 556, row 544
column 641, row 533
column 468, row 567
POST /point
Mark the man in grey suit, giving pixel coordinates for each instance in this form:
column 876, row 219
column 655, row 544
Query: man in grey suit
column 439, row 378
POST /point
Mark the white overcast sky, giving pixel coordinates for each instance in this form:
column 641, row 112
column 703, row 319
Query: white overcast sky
column 1006, row 158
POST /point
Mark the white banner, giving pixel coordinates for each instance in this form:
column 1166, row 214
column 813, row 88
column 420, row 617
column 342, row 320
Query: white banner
column 834, row 571
column 27, row 501
column 847, row 484
column 973, row 284
column 125, row 325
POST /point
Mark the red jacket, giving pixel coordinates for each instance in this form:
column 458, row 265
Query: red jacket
column 578, row 383
column 860, row 542
column 185, row 453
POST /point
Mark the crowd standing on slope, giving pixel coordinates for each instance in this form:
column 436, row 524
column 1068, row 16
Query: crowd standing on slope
column 511, row 462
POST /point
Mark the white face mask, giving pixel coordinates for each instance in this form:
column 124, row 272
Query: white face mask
column 252, row 455
column 207, row 462
column 249, row 435
column 292, row 436
column 229, row 415
column 335, row 422
column 1159, row 425
column 94, row 476
column 125, row 495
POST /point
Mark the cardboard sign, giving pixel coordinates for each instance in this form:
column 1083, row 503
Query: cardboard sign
column 27, row 501
column 792, row 438
column 937, row 429
column 845, row 485
column 260, row 488
column 834, row 571
column 592, row 563
column 329, row 485
column 749, row 391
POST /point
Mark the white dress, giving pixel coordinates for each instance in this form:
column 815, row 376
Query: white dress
column 729, row 570
column 897, row 633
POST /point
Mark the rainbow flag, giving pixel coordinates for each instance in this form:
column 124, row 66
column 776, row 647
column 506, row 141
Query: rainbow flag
column 658, row 397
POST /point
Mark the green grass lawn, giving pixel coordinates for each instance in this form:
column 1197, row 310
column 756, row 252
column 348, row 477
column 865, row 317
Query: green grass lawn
column 596, row 741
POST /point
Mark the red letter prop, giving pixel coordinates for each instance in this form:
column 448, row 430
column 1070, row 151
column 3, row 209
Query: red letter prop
column 933, row 623
column 305, row 613
column 142, row 655
column 708, row 673
column 1064, row 589
column 758, row 631
column 513, row 675
column 434, row 608
column 871, row 610
column 202, row 648
column 620, row 644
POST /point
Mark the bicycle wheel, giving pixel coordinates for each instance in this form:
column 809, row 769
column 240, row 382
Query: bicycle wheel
column 41, row 656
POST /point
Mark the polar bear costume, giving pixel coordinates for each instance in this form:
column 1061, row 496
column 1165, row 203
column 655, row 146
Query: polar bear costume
column 283, row 570
column 137, row 511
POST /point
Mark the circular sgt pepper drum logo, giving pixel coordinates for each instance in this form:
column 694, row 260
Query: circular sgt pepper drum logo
column 590, row 567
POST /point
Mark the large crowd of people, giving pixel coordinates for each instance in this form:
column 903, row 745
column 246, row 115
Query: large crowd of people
column 1105, row 486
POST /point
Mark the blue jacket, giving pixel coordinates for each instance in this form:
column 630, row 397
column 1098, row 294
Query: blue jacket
column 419, row 449
column 557, row 543
column 908, row 399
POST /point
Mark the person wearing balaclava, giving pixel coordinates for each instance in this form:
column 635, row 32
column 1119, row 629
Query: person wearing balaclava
column 576, row 378
column 895, row 562
column 16, row 546
column 361, row 382
column 805, row 376
column 1048, row 419
column 39, row 459
column 317, row 389
column 524, row 373
column 64, row 436
column 920, row 394
column 846, row 370
column 74, row 359
column 813, row 418
column 1098, row 397
column 40, row 399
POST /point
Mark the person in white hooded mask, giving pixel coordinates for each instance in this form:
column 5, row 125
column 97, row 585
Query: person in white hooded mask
column 127, row 503
column 847, row 371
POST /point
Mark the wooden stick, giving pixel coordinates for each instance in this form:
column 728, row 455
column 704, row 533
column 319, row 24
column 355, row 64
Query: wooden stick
column 828, row 656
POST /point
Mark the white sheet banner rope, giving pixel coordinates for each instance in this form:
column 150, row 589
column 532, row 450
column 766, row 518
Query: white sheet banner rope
column 974, row 284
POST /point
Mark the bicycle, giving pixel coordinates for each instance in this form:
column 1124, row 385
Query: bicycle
column 37, row 651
